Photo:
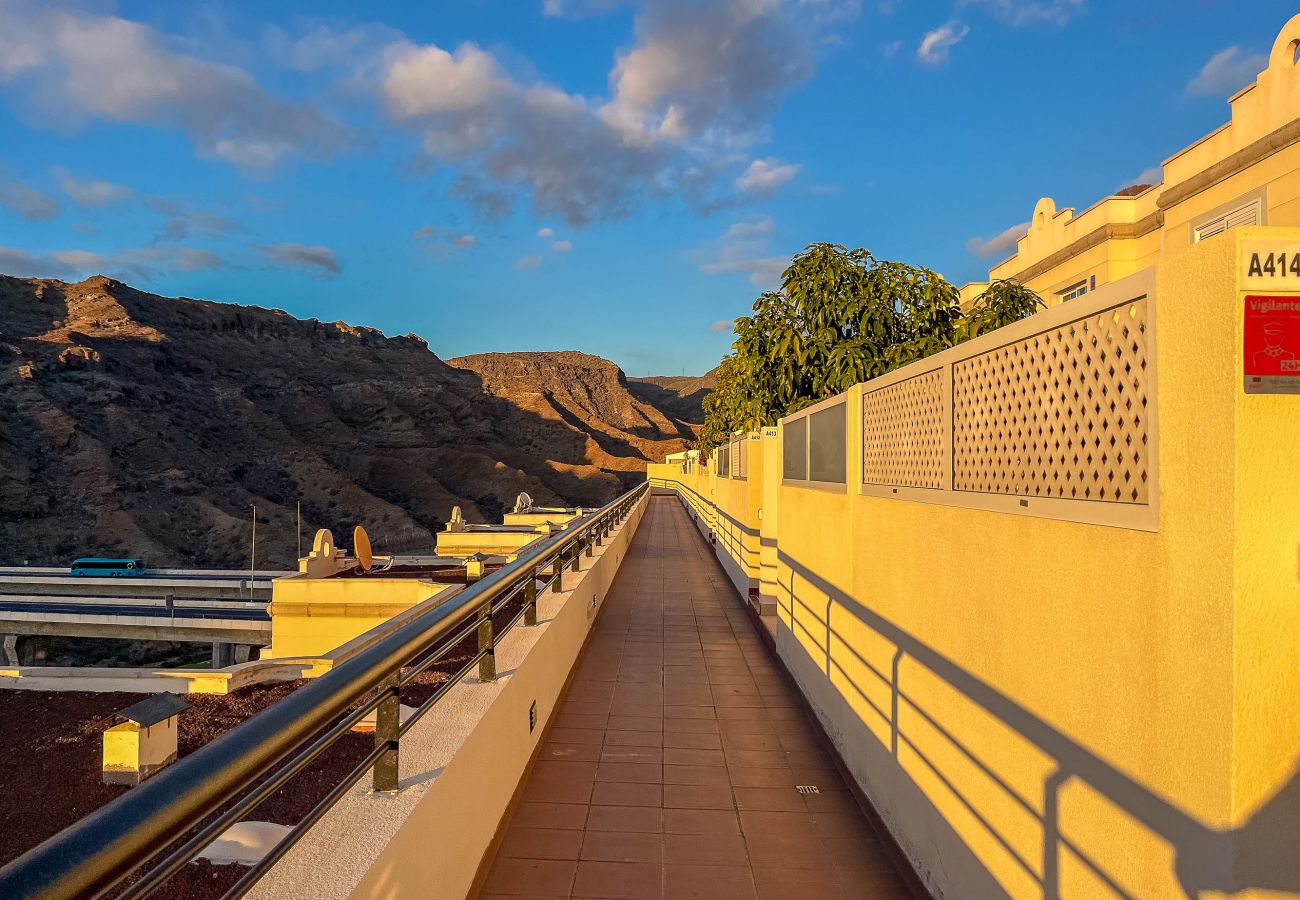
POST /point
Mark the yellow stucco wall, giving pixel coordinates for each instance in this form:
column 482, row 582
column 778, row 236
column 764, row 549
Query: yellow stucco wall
column 467, row 543
column 1045, row 708
column 312, row 616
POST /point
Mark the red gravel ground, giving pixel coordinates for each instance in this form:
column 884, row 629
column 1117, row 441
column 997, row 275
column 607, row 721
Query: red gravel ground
column 51, row 752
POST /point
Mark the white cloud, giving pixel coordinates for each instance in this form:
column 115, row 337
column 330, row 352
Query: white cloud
column 27, row 203
column 135, row 264
column 745, row 230
column 1031, row 12
column 439, row 242
column 720, row 326
column 528, row 263
column 723, row 65
column 765, row 176
column 307, row 258
column 890, row 50
column 743, row 249
column 936, row 44
column 181, row 221
column 1001, row 244
column 90, row 192
column 562, row 246
column 546, row 232
column 687, row 99
column 1149, row 175
column 423, row 81
column 1227, row 72
column 578, row 9
column 74, row 66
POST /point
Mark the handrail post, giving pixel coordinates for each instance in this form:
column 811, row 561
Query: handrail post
column 487, row 664
column 577, row 555
column 530, row 599
column 387, row 723
column 590, row 541
column 557, row 572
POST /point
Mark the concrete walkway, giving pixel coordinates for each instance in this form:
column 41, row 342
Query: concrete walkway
column 672, row 767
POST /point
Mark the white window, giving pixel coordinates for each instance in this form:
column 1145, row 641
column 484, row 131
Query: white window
column 1073, row 291
column 1247, row 214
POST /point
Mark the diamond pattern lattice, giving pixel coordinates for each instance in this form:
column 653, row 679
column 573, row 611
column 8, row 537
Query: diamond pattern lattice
column 902, row 431
column 1059, row 414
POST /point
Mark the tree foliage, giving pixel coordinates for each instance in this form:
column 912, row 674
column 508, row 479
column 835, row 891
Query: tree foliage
column 842, row 317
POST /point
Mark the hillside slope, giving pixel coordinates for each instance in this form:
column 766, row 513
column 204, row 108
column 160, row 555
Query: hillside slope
column 681, row 396
column 137, row 424
column 590, row 394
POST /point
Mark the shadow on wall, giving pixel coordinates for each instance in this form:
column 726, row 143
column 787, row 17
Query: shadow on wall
column 1264, row 849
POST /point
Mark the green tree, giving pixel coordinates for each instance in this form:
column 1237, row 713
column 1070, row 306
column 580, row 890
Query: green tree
column 842, row 317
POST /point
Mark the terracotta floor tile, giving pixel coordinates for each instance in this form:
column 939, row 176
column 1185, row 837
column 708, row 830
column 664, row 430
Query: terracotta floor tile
column 785, row 883
column 715, row 775
column 648, row 819
column 774, row 799
column 616, row 793
column 701, row 821
column 623, row 846
column 714, row 850
column 676, row 715
column 618, row 753
column 691, row 726
column 759, row 741
column 672, row 711
column 635, row 723
column 618, row 881
column 579, row 720
column 550, row 815
column 698, row 796
column 577, row 735
column 708, row 883
column 677, row 756
column 746, row 776
column 533, row 877
column 635, row 738
column 570, row 752
column 541, row 843
column 642, row 773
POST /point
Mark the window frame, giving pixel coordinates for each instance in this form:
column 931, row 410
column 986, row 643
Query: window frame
column 839, row 401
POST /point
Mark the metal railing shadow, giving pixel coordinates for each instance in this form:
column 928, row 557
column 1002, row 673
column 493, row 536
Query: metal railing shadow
column 1263, row 853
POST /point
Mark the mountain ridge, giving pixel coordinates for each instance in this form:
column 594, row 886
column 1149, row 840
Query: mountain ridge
column 135, row 424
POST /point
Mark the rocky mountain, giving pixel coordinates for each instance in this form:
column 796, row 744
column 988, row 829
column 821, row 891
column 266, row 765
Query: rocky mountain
column 679, row 395
column 590, row 394
column 134, row 424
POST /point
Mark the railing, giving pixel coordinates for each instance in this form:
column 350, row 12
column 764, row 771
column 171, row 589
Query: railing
column 249, row 762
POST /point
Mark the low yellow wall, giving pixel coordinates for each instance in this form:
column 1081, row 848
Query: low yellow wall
column 1044, row 708
column 312, row 616
column 467, row 543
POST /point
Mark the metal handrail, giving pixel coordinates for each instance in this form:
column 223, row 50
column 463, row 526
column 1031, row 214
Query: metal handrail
column 96, row 853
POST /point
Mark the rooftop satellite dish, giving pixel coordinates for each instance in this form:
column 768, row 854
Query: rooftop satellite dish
column 361, row 547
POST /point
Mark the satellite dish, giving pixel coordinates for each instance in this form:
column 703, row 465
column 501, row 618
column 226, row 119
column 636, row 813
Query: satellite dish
column 361, row 547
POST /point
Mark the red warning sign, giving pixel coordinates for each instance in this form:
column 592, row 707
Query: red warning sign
column 1271, row 345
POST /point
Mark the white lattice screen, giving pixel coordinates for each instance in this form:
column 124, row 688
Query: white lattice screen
column 1059, row 414
column 904, row 433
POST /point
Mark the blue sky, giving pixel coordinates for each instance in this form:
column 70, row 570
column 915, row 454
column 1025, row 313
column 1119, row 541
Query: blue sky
column 616, row 177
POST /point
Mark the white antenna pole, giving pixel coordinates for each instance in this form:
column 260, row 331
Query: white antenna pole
column 252, row 557
column 300, row 529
